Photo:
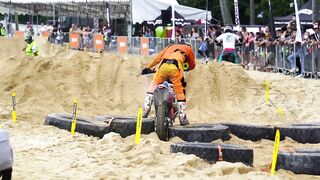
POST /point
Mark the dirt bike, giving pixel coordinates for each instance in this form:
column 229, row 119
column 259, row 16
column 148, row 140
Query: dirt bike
column 166, row 108
column 229, row 56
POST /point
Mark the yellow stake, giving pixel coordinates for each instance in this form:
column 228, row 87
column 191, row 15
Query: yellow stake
column 138, row 127
column 74, row 116
column 275, row 152
column 14, row 113
column 67, row 47
column 267, row 91
column 279, row 109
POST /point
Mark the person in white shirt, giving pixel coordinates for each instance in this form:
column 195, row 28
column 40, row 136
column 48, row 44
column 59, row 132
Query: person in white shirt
column 43, row 28
column 229, row 44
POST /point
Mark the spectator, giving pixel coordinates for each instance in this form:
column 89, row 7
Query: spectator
column 228, row 40
column 43, row 28
column 250, row 47
column 292, row 23
column 296, row 66
column 194, row 33
column 29, row 30
column 2, row 30
column 147, row 33
column 203, row 50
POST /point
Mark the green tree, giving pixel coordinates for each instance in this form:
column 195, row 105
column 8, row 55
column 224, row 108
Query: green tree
column 315, row 12
column 225, row 12
column 252, row 12
column 280, row 8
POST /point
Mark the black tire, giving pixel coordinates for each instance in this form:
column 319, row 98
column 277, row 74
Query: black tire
column 106, row 117
column 200, row 132
column 301, row 161
column 302, row 134
column 161, row 122
column 252, row 132
column 312, row 123
column 210, row 152
column 126, row 125
column 84, row 125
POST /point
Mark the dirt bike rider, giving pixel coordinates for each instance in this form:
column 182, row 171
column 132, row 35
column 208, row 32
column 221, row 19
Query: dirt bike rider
column 171, row 59
column 2, row 30
column 229, row 43
column 31, row 48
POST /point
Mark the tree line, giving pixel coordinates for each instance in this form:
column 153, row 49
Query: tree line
column 250, row 11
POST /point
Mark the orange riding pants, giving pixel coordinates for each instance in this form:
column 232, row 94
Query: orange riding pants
column 169, row 71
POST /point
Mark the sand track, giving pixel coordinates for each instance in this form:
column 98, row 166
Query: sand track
column 111, row 84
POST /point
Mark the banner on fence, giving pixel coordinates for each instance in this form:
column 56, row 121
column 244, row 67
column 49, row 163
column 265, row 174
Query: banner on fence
column 144, row 46
column 98, row 42
column 45, row 34
column 19, row 34
column 74, row 41
column 122, row 44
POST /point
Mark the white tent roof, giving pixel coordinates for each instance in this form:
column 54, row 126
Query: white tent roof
column 142, row 9
column 59, row 1
column 150, row 9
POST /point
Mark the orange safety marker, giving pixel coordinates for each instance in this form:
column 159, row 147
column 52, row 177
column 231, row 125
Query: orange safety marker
column 98, row 42
column 74, row 41
column 220, row 153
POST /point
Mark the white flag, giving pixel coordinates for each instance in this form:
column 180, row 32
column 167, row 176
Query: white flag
column 236, row 14
column 298, row 34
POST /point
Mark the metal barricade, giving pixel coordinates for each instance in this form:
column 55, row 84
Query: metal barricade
column 279, row 58
column 152, row 45
column 134, row 45
column 315, row 65
column 113, row 44
column 307, row 64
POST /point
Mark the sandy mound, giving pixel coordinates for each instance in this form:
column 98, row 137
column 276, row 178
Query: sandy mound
column 107, row 83
column 112, row 84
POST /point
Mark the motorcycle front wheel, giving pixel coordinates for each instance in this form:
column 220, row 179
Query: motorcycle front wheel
column 162, row 123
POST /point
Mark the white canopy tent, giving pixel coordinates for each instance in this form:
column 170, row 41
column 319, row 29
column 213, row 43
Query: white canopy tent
column 118, row 9
column 147, row 10
column 142, row 9
column 59, row 1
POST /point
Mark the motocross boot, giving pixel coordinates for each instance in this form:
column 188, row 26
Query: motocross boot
column 147, row 105
column 182, row 113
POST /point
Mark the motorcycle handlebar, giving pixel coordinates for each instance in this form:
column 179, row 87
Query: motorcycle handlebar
column 148, row 71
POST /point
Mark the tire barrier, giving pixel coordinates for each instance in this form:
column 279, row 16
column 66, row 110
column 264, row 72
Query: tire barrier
column 302, row 134
column 126, row 125
column 251, row 132
column 300, row 161
column 200, row 132
column 84, row 125
column 311, row 123
column 213, row 152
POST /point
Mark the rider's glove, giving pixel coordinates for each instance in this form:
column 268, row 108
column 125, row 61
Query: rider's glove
column 146, row 71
